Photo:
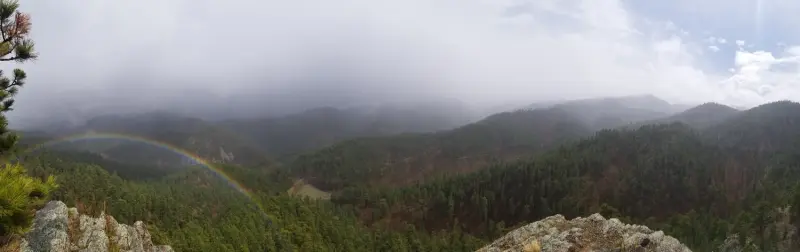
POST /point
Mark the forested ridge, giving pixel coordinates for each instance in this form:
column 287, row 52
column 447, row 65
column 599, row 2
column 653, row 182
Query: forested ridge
column 698, row 117
column 320, row 127
column 699, row 185
column 199, row 137
column 408, row 158
column 196, row 211
column 696, row 185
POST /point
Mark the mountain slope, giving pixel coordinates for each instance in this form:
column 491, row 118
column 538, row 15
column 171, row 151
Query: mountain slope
column 699, row 117
column 767, row 128
column 705, row 187
column 196, row 210
column 702, row 186
column 405, row 159
column 612, row 112
column 249, row 142
column 609, row 161
column 192, row 135
column 321, row 127
column 409, row 158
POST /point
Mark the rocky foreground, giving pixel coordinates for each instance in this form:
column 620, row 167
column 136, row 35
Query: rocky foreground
column 594, row 233
column 57, row 228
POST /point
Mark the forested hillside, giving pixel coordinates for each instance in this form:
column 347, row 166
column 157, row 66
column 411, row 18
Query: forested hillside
column 119, row 138
column 669, row 176
column 320, row 127
column 406, row 159
column 255, row 141
column 766, row 129
column 701, row 186
column 612, row 112
column 196, row 211
column 699, row 117
column 409, row 158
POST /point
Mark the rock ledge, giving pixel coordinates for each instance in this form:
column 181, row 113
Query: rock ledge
column 594, row 233
column 57, row 228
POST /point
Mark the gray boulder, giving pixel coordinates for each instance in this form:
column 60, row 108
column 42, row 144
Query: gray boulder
column 57, row 228
column 594, row 233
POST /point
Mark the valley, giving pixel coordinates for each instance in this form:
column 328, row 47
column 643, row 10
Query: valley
column 461, row 187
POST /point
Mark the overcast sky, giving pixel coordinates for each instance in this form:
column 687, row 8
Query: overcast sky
column 142, row 54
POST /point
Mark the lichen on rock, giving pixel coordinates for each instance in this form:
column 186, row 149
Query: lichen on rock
column 594, row 233
column 49, row 232
column 57, row 228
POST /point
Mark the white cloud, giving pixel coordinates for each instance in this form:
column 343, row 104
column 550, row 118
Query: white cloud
column 760, row 76
column 713, row 48
column 793, row 51
column 475, row 50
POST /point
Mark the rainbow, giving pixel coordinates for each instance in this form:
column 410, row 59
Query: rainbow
column 180, row 151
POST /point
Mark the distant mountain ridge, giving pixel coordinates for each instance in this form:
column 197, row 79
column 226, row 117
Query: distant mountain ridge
column 701, row 116
column 249, row 141
column 321, row 127
column 406, row 159
column 387, row 140
column 721, row 186
column 612, row 112
column 189, row 134
column 769, row 127
column 706, row 175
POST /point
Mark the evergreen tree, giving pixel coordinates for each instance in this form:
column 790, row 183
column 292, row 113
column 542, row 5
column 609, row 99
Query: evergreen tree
column 15, row 46
column 20, row 194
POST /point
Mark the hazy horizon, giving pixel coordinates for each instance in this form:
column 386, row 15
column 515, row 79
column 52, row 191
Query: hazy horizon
column 256, row 58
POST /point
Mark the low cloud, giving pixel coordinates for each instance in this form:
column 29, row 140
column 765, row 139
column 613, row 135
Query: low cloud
column 248, row 56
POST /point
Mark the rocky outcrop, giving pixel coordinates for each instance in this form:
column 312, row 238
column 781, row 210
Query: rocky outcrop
column 57, row 228
column 595, row 233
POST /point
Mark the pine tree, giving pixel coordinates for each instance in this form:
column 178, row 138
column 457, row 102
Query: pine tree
column 20, row 194
column 15, row 46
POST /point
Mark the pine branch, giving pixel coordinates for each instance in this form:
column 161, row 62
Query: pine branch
column 7, row 37
column 21, row 27
column 3, row 32
column 23, row 51
column 19, row 78
column 15, row 58
column 7, row 9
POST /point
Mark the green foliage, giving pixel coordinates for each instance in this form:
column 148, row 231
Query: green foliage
column 408, row 158
column 321, row 127
column 732, row 179
column 194, row 210
column 14, row 46
column 696, row 186
column 192, row 135
column 19, row 195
